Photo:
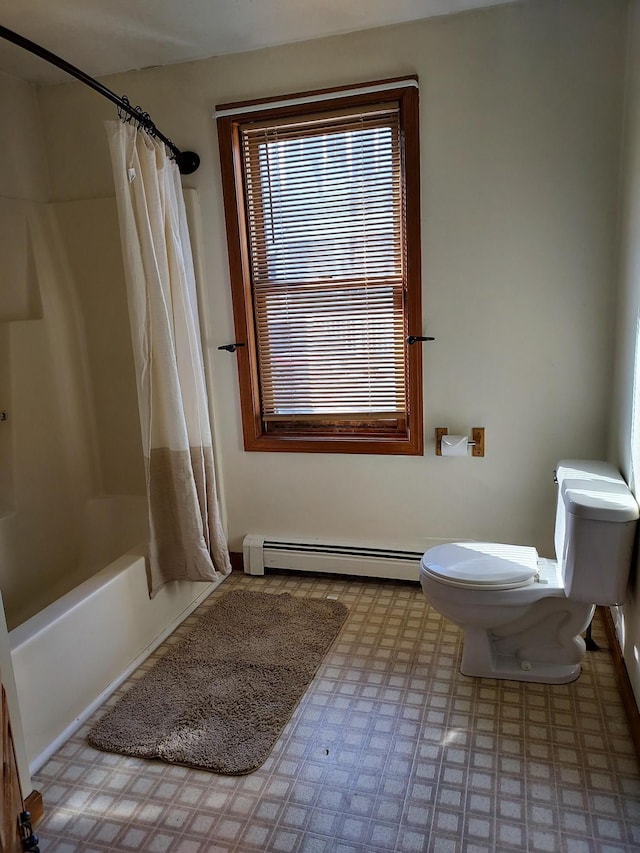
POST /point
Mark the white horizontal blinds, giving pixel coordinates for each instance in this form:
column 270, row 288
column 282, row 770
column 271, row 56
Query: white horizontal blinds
column 325, row 221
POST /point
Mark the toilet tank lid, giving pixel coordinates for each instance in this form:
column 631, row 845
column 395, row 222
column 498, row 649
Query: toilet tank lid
column 595, row 490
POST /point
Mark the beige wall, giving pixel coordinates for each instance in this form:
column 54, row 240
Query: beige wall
column 520, row 135
column 625, row 432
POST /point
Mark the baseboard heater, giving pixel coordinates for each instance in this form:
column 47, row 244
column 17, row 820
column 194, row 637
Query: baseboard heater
column 261, row 552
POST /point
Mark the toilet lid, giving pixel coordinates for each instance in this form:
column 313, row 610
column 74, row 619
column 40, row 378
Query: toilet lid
column 481, row 565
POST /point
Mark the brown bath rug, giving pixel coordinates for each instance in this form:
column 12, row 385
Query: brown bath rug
column 219, row 700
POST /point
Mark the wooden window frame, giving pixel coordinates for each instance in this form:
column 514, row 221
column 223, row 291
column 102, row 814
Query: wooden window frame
column 370, row 440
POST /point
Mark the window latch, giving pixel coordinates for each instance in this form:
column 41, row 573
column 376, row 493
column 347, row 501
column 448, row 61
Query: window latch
column 414, row 339
column 231, row 347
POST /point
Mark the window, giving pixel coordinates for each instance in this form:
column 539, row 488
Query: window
column 322, row 203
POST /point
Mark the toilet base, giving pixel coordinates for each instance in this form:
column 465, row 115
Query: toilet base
column 512, row 669
column 542, row 646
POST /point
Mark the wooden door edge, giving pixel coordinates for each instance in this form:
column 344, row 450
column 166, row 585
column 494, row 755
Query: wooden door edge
column 35, row 806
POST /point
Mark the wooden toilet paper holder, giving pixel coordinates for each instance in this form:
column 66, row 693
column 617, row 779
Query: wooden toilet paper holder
column 476, row 442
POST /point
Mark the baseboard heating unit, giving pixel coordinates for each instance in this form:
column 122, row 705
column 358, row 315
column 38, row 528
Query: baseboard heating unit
column 261, row 552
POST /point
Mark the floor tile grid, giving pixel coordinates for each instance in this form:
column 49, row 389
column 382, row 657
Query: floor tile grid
column 337, row 795
column 343, row 702
column 381, row 724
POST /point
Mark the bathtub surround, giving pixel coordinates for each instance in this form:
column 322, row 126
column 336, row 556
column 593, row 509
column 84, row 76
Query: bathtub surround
column 220, row 699
column 186, row 539
column 49, row 429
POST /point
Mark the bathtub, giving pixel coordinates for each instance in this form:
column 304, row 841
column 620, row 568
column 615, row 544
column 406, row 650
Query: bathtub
column 76, row 651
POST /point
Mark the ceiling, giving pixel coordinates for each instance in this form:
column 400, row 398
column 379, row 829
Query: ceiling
column 107, row 36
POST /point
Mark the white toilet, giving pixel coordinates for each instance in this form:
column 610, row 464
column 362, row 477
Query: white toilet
column 522, row 615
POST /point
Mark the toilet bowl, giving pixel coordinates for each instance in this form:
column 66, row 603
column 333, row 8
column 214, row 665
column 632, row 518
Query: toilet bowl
column 522, row 615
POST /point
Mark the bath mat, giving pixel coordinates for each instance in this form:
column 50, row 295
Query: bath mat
column 219, row 699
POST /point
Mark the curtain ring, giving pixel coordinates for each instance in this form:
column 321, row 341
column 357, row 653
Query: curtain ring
column 123, row 115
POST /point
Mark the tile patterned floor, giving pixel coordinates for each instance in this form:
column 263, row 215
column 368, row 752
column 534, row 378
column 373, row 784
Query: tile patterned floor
column 391, row 749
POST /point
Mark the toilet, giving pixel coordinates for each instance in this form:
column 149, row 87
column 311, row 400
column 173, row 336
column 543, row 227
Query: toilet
column 522, row 615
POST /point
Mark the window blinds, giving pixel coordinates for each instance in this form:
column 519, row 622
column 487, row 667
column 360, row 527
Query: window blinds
column 325, row 219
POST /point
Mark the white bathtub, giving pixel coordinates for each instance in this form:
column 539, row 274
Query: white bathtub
column 72, row 654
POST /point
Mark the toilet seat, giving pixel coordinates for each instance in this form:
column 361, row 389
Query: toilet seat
column 481, row 565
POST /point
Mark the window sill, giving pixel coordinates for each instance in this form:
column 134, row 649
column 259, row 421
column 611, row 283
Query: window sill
column 339, row 444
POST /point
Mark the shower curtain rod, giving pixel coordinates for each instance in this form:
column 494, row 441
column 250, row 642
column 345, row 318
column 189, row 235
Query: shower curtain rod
column 188, row 161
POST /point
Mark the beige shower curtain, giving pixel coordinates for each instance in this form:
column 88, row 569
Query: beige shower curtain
column 186, row 539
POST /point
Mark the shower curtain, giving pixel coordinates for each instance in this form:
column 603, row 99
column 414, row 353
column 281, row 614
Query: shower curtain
column 186, row 539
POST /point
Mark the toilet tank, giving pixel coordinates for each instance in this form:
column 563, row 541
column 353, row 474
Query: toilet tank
column 596, row 518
